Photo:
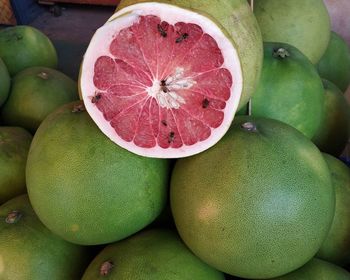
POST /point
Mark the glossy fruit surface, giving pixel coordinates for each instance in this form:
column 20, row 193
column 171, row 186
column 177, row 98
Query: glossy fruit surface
column 85, row 188
column 258, row 204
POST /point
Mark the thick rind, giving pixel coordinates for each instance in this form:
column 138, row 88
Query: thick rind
column 237, row 21
column 125, row 18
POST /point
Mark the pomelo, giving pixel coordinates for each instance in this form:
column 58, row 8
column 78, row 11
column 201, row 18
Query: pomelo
column 164, row 79
column 156, row 254
column 30, row 251
column 317, row 270
column 290, row 89
column 339, row 13
column 36, row 92
column 336, row 247
column 5, row 82
column 24, row 46
column 14, row 146
column 333, row 134
column 256, row 205
column 85, row 188
column 303, row 24
column 335, row 63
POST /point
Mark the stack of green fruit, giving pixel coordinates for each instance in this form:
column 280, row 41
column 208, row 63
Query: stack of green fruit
column 270, row 200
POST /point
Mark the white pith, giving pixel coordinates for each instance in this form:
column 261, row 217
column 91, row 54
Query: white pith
column 166, row 96
column 99, row 46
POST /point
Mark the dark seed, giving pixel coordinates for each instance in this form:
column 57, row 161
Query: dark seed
column 181, row 38
column 96, row 98
column 164, row 122
column 205, row 103
column 171, row 137
column 161, row 31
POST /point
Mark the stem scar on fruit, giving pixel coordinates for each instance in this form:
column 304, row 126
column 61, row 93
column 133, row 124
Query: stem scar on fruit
column 13, row 217
column 106, row 268
column 249, row 126
column 280, row 53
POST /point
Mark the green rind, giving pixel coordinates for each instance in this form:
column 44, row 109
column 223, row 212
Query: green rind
column 333, row 134
column 237, row 22
column 151, row 255
column 335, row 63
column 85, row 188
column 33, row 96
column 258, row 204
column 30, row 251
column 317, row 270
column 290, row 90
column 5, row 82
column 303, row 24
column 14, row 147
column 336, row 247
column 25, row 46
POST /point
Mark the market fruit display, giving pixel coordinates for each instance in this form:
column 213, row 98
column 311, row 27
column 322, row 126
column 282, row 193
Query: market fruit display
column 30, row 251
column 24, row 46
column 153, row 174
column 85, row 188
column 303, row 24
column 256, row 205
column 336, row 247
column 165, row 79
column 333, row 133
column 14, row 146
column 290, row 89
column 157, row 254
column 36, row 92
column 5, row 81
column 335, row 63
column 317, row 269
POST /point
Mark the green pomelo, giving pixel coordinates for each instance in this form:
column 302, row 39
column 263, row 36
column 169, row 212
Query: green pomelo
column 256, row 205
column 5, row 82
column 317, row 270
column 335, row 63
column 237, row 21
column 156, row 254
column 30, row 251
column 334, row 131
column 35, row 93
column 25, row 46
column 303, row 24
column 290, row 89
column 336, row 247
column 85, row 188
column 14, row 146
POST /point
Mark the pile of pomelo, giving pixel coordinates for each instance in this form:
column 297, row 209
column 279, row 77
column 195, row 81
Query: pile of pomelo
column 203, row 140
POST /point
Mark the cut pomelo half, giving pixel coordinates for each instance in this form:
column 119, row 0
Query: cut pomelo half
column 161, row 81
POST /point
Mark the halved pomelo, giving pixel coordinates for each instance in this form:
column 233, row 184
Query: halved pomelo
column 161, row 80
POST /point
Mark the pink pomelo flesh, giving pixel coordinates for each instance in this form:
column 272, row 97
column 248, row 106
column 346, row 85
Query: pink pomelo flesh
column 161, row 88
